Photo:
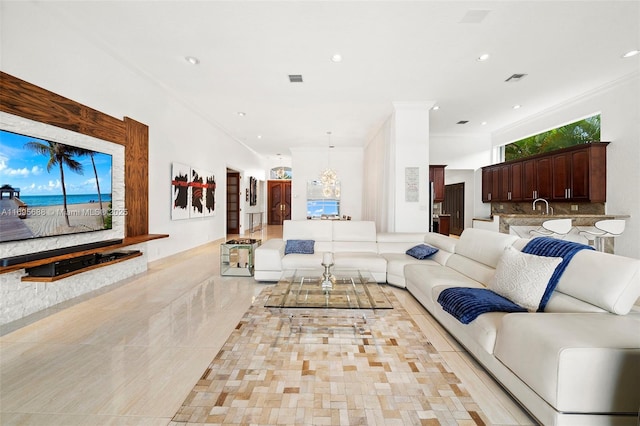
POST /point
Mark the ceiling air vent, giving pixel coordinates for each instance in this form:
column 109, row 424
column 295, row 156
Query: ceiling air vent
column 515, row 78
column 462, row 122
column 295, row 78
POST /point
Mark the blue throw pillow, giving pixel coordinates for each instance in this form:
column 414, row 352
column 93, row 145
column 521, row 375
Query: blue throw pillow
column 299, row 247
column 422, row 251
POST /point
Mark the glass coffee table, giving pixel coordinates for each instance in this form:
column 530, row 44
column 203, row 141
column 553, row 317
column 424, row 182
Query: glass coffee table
column 353, row 295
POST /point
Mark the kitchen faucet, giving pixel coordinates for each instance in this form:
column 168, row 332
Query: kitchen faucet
column 545, row 201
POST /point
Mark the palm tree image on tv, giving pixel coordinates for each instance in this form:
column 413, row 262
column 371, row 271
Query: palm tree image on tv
column 59, row 155
column 90, row 154
column 47, row 188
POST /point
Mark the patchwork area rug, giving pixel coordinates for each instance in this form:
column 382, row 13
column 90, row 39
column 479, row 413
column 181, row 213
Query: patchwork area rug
column 383, row 374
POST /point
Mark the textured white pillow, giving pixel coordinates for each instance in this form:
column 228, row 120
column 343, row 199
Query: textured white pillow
column 523, row 277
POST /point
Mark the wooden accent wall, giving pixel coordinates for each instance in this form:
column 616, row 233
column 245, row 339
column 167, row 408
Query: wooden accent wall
column 136, row 177
column 24, row 99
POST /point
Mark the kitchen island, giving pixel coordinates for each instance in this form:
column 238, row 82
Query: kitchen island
column 522, row 224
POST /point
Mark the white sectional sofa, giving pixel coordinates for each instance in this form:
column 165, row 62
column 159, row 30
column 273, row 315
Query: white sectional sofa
column 578, row 363
column 354, row 244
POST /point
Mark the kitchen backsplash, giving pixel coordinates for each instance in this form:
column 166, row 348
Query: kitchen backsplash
column 558, row 208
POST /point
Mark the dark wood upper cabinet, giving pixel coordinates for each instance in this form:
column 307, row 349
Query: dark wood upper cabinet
column 490, row 184
column 576, row 173
column 509, row 182
column 436, row 175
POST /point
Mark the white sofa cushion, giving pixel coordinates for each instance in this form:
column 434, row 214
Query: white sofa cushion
column 522, row 277
column 354, row 231
column 395, row 266
column 421, row 278
column 443, row 242
column 317, row 230
column 398, row 242
column 560, row 302
column 371, row 262
column 355, row 246
column 475, row 270
column 482, row 331
column 614, row 281
column 268, row 256
column 483, row 246
column 302, row 261
column 576, row 362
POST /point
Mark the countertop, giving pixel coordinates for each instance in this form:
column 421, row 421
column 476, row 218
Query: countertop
column 552, row 216
column 560, row 216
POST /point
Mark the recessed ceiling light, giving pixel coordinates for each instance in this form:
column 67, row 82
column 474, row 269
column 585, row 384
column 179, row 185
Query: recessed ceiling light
column 482, row 57
column 241, row 114
column 484, row 123
column 435, row 108
column 516, row 106
column 192, row 60
column 631, row 53
column 336, row 58
column 259, row 136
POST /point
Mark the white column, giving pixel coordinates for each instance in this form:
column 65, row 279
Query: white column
column 409, row 152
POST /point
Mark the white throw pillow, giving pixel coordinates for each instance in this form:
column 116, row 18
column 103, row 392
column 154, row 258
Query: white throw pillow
column 522, row 277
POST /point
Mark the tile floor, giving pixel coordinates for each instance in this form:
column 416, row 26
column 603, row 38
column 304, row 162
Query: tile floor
column 131, row 354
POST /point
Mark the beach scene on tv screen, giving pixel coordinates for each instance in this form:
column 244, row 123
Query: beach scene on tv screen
column 49, row 188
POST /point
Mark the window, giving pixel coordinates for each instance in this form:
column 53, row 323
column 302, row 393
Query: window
column 322, row 201
column 580, row 132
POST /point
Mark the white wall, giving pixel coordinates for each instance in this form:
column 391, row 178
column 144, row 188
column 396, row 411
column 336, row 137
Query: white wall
column 461, row 151
column 410, row 142
column 72, row 66
column 619, row 108
column 308, row 163
column 375, row 194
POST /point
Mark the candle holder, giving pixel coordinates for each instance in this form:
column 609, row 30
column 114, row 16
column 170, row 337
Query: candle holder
column 327, row 278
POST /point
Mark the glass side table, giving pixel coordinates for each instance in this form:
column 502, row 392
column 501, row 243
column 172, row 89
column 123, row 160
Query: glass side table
column 236, row 257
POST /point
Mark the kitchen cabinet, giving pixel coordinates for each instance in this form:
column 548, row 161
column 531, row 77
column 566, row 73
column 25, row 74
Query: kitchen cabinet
column 436, row 175
column 580, row 175
column 490, row 184
column 510, row 182
column 536, row 178
column 577, row 173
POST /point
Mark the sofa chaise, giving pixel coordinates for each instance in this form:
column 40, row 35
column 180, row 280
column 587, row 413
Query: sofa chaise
column 576, row 363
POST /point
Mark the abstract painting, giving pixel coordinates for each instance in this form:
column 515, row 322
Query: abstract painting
column 180, row 197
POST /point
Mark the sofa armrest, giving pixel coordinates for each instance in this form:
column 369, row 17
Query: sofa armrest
column 268, row 256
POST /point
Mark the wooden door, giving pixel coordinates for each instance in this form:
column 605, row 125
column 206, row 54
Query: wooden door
column 279, row 201
column 454, row 206
column 233, row 202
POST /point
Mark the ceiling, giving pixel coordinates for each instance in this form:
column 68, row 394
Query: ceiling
column 391, row 51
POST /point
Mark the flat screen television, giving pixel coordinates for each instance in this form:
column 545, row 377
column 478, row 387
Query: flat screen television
column 49, row 188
